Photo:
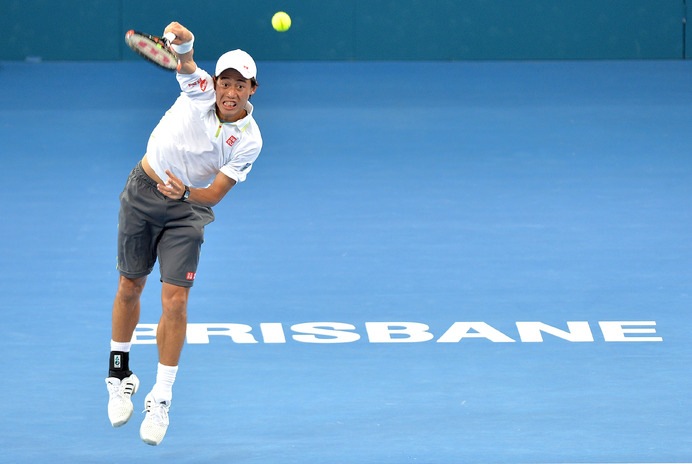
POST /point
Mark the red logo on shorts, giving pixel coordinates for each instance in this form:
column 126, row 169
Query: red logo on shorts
column 190, row 276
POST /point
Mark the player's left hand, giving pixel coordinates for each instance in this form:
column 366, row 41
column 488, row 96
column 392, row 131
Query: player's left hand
column 173, row 188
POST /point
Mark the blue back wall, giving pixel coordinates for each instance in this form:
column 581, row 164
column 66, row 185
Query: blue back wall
column 355, row 29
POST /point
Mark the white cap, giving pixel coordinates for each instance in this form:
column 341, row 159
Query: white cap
column 238, row 60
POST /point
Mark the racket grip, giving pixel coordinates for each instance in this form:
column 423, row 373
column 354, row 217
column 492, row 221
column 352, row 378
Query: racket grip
column 169, row 36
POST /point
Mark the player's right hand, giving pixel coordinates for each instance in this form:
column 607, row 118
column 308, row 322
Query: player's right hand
column 182, row 34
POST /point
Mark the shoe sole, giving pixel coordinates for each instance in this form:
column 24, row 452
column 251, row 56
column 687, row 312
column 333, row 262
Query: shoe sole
column 150, row 442
column 122, row 422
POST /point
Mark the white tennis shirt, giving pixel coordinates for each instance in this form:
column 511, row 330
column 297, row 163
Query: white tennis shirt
column 195, row 145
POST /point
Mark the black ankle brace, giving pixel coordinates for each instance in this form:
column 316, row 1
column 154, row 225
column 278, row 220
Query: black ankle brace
column 119, row 365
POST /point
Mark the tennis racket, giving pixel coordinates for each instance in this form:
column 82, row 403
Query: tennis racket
column 153, row 48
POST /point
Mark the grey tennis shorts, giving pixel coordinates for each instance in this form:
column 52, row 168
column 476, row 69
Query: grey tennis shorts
column 151, row 226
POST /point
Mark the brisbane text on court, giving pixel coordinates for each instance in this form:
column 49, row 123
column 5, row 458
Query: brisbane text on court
column 408, row 332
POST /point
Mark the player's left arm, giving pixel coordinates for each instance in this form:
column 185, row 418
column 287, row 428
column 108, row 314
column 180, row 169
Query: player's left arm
column 209, row 196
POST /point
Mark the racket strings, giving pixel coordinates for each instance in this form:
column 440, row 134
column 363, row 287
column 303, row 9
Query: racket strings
column 154, row 49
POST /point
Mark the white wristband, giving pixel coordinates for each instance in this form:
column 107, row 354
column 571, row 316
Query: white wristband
column 184, row 47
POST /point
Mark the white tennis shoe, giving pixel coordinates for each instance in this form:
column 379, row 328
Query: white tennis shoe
column 155, row 423
column 120, row 398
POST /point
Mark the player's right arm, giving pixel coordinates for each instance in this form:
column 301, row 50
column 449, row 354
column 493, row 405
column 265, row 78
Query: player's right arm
column 187, row 65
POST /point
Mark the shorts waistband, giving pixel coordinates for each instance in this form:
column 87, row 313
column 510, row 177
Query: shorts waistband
column 139, row 173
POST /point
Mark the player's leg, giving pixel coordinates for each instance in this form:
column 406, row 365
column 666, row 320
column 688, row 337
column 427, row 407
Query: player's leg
column 137, row 237
column 170, row 337
column 138, row 234
column 178, row 250
column 126, row 308
column 121, row 382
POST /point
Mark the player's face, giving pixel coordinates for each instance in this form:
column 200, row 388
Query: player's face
column 232, row 93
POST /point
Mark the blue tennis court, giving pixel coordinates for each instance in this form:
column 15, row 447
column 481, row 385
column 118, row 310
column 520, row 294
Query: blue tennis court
column 448, row 262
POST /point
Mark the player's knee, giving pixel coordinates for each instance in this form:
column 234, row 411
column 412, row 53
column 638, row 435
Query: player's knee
column 131, row 289
column 174, row 301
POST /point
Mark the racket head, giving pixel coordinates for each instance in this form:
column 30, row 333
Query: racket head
column 152, row 48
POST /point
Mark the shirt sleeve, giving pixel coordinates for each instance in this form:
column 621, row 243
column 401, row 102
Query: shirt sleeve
column 241, row 163
column 199, row 87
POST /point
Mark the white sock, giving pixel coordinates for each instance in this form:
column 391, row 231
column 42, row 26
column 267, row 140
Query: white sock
column 165, row 376
column 120, row 346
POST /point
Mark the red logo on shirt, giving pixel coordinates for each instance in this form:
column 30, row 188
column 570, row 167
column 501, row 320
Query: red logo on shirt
column 231, row 140
column 201, row 82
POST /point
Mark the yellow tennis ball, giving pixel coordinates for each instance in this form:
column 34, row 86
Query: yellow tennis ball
column 281, row 21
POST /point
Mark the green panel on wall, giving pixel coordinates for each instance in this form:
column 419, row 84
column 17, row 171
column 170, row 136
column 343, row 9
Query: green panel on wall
column 519, row 29
column 66, row 30
column 687, row 32
column 356, row 29
column 320, row 30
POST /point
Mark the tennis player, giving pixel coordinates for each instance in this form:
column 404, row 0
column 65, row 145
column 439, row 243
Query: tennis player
column 205, row 144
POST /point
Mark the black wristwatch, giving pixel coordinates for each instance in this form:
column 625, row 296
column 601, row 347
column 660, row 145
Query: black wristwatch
column 186, row 194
